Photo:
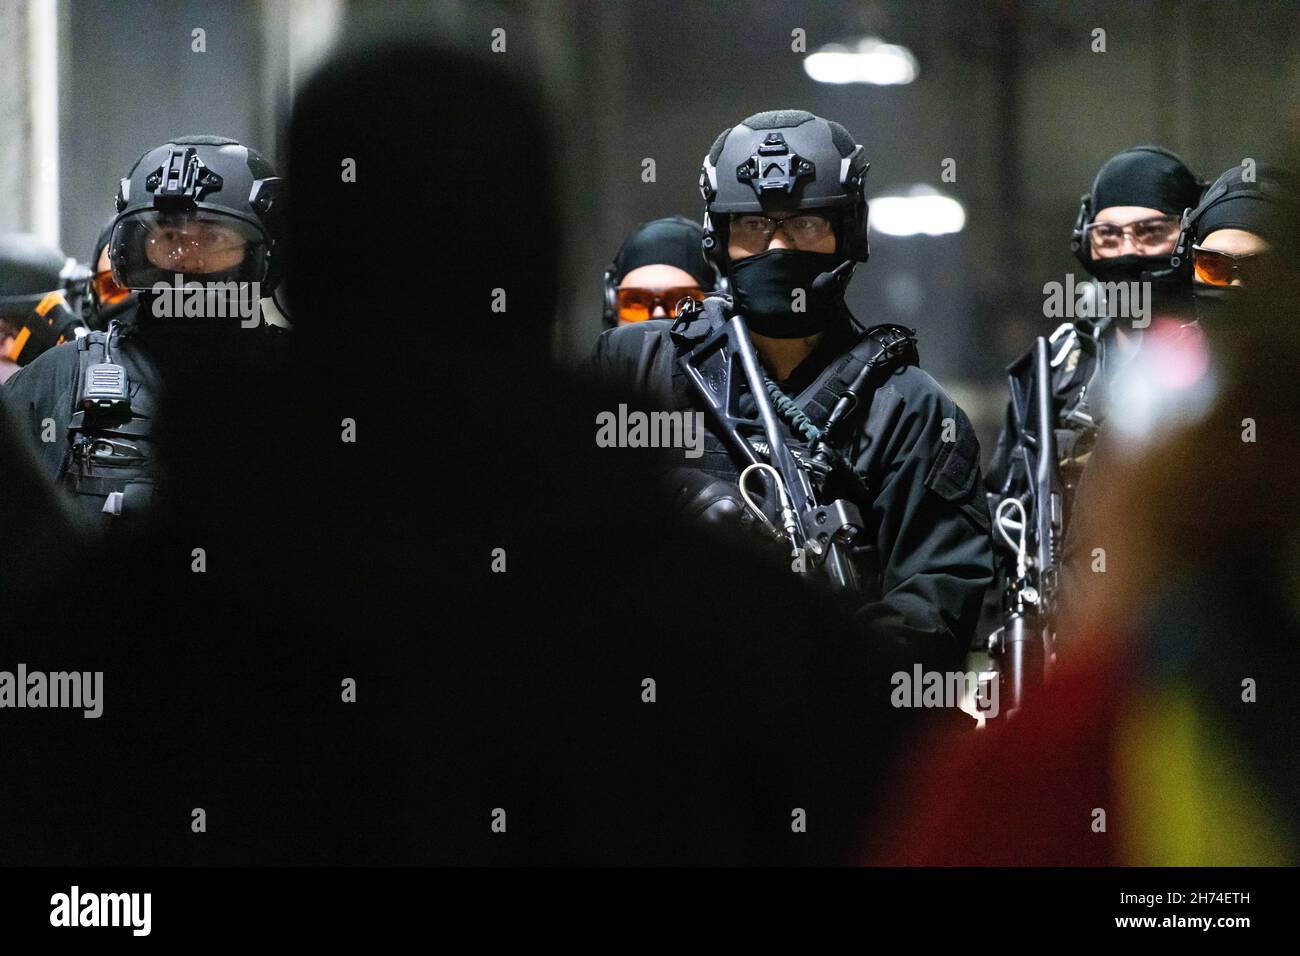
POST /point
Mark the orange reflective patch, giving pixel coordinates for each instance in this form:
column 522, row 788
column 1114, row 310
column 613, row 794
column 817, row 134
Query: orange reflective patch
column 49, row 302
column 16, row 346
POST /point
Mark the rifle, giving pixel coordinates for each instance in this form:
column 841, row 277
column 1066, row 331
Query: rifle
column 1024, row 645
column 822, row 531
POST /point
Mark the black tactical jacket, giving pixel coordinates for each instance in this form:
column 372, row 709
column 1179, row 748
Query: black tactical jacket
column 923, row 503
column 92, row 457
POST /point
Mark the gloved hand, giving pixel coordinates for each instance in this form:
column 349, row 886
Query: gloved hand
column 718, row 505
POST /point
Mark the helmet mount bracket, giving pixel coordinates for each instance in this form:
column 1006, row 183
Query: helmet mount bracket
column 182, row 178
column 773, row 166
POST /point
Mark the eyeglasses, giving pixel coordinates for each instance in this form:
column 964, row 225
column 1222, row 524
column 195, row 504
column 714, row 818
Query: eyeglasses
column 754, row 233
column 1221, row 268
column 107, row 291
column 205, row 242
column 637, row 305
column 1148, row 235
column 193, row 245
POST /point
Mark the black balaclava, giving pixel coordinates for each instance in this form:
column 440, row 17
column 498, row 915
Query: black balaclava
column 1152, row 177
column 1259, row 206
column 674, row 241
column 1264, row 206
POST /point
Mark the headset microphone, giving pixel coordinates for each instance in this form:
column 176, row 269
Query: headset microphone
column 824, row 281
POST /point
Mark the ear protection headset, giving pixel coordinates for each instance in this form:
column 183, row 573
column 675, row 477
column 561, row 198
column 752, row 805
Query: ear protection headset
column 1078, row 235
column 1182, row 257
column 610, row 314
column 854, row 233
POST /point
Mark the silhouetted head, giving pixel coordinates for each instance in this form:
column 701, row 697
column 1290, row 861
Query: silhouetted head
column 424, row 213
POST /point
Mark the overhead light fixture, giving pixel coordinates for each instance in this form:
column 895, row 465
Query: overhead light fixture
column 921, row 212
column 870, row 60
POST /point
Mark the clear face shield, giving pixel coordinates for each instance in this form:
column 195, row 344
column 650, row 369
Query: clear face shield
column 198, row 245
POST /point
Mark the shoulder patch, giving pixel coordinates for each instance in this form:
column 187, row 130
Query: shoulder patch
column 956, row 468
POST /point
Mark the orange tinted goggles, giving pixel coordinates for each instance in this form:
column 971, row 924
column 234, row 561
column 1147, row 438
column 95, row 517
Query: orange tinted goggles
column 1220, row 268
column 107, row 291
column 637, row 305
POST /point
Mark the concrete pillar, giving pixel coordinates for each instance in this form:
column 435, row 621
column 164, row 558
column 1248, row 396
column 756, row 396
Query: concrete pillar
column 29, row 117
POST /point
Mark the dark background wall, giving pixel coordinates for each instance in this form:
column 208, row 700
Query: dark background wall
column 1010, row 89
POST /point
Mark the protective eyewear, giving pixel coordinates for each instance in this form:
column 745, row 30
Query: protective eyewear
column 638, row 305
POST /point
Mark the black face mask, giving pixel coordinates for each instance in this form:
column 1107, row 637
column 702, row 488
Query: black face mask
column 145, row 320
column 1218, row 303
column 1171, row 291
column 763, row 288
column 1128, row 268
column 102, row 315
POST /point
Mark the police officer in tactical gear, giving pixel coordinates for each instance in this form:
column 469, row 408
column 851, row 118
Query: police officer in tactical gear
column 1124, row 234
column 1228, row 240
column 34, row 311
column 1125, row 231
column 786, row 224
column 199, row 210
column 659, row 264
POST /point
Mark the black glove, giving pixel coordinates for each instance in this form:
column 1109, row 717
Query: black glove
column 718, row 505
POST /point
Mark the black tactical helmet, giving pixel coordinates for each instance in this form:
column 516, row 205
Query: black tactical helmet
column 196, row 181
column 781, row 161
column 30, row 269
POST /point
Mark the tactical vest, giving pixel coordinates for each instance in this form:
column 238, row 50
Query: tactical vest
column 660, row 373
column 109, row 452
